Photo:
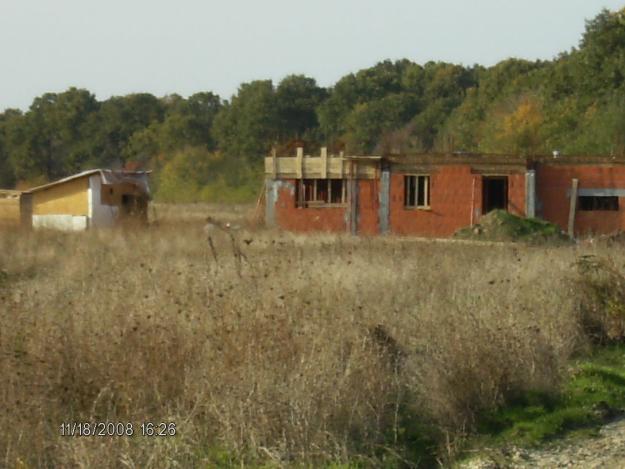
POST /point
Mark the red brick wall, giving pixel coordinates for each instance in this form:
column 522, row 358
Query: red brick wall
column 516, row 194
column 553, row 182
column 455, row 192
column 450, row 202
column 368, row 205
column 290, row 217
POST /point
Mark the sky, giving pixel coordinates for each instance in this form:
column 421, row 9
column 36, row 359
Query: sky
column 116, row 47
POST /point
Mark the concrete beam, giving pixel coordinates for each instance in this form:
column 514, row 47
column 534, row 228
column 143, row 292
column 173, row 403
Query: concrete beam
column 384, row 199
column 530, row 193
column 573, row 207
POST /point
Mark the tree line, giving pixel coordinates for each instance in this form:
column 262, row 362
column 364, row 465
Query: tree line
column 206, row 148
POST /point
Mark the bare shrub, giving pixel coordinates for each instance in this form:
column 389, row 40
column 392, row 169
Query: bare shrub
column 602, row 299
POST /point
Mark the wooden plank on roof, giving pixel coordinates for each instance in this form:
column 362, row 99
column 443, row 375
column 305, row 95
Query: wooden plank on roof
column 274, row 164
column 299, row 163
column 324, row 163
column 301, row 166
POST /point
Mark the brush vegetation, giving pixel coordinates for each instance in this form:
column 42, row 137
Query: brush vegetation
column 500, row 225
column 594, row 393
column 272, row 349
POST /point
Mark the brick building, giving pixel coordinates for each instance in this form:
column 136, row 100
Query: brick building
column 436, row 194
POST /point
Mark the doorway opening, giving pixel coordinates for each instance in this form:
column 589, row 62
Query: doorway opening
column 494, row 193
column 134, row 207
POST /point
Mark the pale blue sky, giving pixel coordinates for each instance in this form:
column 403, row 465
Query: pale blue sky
column 115, row 47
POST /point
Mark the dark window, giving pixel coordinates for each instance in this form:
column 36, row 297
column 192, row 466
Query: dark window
column 417, row 191
column 308, row 186
column 320, row 192
column 598, row 202
column 134, row 205
column 337, row 191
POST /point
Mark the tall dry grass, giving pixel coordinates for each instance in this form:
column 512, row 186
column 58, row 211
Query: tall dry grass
column 300, row 350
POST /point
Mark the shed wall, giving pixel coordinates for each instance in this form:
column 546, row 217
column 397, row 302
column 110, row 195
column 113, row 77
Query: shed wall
column 100, row 214
column 10, row 213
column 63, row 206
column 69, row 198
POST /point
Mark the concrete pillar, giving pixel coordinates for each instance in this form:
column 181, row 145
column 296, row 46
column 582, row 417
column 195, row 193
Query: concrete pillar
column 530, row 193
column 573, row 207
column 271, row 197
column 384, row 198
column 299, row 162
column 352, row 200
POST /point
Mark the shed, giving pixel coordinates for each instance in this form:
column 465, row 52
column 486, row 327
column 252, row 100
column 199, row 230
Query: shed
column 91, row 199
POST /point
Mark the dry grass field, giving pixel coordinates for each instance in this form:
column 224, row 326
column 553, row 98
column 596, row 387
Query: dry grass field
column 275, row 349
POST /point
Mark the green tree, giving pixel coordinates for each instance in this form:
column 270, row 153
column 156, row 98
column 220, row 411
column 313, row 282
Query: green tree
column 297, row 98
column 375, row 83
column 7, row 175
column 182, row 178
column 187, row 123
column 602, row 53
column 115, row 124
column 50, row 138
column 368, row 123
column 516, row 128
column 248, row 125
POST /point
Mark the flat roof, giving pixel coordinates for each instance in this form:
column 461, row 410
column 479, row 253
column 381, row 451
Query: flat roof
column 363, row 157
column 494, row 158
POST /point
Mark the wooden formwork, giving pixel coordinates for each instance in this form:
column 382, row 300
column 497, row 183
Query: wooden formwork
column 324, row 166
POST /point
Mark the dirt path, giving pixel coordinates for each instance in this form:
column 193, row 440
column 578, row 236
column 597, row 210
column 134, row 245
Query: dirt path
column 607, row 450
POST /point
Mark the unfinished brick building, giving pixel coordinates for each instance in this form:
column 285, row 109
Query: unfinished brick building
column 434, row 195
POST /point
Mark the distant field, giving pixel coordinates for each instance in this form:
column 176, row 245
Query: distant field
column 197, row 213
column 279, row 349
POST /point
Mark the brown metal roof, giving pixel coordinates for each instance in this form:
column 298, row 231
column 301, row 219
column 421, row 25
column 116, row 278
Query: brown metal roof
column 104, row 174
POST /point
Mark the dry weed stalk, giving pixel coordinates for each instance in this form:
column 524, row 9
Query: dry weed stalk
column 324, row 349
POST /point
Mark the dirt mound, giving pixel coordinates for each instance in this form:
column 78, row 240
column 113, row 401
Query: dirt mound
column 500, row 225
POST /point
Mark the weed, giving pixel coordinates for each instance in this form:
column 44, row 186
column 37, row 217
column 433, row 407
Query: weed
column 291, row 350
